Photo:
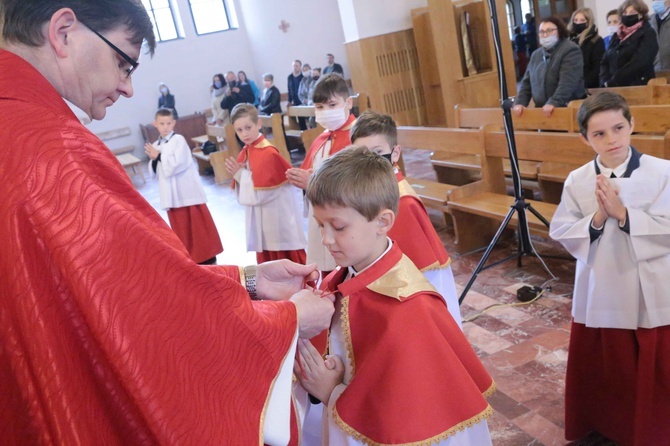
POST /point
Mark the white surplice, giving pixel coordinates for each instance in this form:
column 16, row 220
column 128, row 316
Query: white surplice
column 622, row 280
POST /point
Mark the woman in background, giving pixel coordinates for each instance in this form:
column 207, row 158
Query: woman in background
column 584, row 32
column 242, row 79
column 629, row 60
column 218, row 87
column 166, row 99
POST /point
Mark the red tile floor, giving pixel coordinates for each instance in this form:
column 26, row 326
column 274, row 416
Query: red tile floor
column 523, row 347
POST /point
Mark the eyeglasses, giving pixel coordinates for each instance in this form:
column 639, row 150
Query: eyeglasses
column 546, row 32
column 132, row 62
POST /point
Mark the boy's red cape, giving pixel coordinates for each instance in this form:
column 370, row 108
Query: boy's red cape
column 415, row 378
column 339, row 140
column 268, row 167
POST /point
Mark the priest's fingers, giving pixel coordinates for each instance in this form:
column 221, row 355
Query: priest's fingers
column 314, row 313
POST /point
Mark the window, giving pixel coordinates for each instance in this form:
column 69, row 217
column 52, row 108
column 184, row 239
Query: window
column 163, row 18
column 211, row 16
column 511, row 20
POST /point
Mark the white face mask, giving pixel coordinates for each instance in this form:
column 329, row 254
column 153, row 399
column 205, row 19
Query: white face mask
column 549, row 41
column 612, row 29
column 331, row 119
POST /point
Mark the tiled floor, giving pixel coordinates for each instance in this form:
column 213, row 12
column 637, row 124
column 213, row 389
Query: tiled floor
column 524, row 347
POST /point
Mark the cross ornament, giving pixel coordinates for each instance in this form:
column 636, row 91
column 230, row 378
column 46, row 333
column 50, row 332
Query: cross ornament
column 284, row 25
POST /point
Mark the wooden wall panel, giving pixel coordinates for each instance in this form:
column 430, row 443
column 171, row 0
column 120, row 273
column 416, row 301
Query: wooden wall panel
column 430, row 73
column 386, row 67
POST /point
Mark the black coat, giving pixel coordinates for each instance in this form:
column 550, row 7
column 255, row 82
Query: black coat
column 167, row 101
column 630, row 62
column 593, row 49
column 270, row 102
column 245, row 95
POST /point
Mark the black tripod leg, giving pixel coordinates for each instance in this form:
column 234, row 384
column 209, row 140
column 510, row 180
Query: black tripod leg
column 538, row 215
column 487, row 253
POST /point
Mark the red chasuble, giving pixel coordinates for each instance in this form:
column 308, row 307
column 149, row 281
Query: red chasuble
column 268, row 167
column 109, row 332
column 415, row 377
column 340, row 139
column 414, row 232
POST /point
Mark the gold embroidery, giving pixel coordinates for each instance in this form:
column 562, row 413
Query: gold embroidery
column 346, row 332
column 436, row 265
column 428, row 441
column 402, row 281
column 491, row 390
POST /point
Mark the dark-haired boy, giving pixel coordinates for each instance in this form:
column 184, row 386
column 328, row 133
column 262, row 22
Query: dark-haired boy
column 181, row 191
column 412, row 230
column 614, row 218
column 332, row 106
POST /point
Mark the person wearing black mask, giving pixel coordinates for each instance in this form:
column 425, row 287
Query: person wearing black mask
column 583, row 32
column 629, row 60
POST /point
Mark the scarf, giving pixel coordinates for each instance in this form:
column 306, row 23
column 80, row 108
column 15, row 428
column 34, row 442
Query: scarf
column 625, row 32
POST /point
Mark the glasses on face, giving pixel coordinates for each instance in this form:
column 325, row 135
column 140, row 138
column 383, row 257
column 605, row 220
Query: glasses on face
column 546, row 32
column 132, row 62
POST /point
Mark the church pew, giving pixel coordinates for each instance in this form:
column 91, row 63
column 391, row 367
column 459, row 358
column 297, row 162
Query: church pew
column 656, row 92
column 215, row 160
column 438, row 140
column 478, row 208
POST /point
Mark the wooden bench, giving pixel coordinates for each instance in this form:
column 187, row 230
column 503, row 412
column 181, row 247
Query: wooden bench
column 656, row 92
column 478, row 208
column 129, row 161
column 189, row 126
column 438, row 140
column 215, row 160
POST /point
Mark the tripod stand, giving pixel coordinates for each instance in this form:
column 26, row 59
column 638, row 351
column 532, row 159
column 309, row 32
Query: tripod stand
column 520, row 206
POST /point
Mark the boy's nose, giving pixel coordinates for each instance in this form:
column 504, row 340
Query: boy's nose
column 326, row 238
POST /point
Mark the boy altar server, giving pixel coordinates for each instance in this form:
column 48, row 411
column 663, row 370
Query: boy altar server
column 273, row 209
column 614, row 218
column 332, row 106
column 181, row 191
column 400, row 370
column 412, row 230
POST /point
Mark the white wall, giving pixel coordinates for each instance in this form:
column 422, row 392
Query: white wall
column 315, row 29
column 368, row 18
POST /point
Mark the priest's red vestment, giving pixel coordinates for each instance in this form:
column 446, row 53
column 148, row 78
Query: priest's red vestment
column 109, row 332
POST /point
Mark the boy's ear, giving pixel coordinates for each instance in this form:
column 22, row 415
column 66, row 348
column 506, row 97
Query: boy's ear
column 385, row 221
column 395, row 153
column 584, row 140
column 632, row 125
column 349, row 103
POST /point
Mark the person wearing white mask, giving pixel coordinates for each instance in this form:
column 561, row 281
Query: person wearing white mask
column 613, row 23
column 660, row 21
column 332, row 106
column 629, row 61
column 555, row 73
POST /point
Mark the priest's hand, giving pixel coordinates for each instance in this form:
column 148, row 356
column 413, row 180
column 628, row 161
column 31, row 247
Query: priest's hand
column 281, row 279
column 608, row 199
column 314, row 312
column 299, row 177
column 317, row 376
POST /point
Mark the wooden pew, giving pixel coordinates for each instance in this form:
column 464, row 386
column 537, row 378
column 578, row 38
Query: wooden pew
column 215, row 160
column 439, row 140
column 189, row 126
column 478, row 208
column 656, row 92
column 129, row 161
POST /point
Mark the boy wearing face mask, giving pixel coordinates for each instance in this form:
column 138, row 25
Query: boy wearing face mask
column 555, row 73
column 412, row 231
column 660, row 21
column 613, row 23
column 629, row 60
column 333, row 112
